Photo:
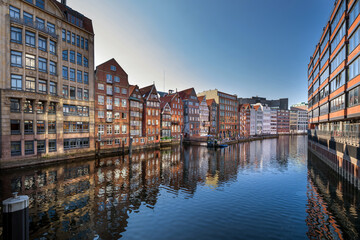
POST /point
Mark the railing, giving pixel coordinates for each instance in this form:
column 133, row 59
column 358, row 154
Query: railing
column 109, row 107
column 109, row 120
column 38, row 26
column 347, row 137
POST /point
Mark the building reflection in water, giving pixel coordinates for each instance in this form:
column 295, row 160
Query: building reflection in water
column 95, row 198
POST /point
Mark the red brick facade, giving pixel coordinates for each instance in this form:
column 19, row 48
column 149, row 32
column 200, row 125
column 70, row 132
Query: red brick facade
column 177, row 114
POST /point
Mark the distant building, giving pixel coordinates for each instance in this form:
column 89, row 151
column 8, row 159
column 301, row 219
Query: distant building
column 204, row 116
column 245, row 119
column 283, row 121
column 265, row 112
column 281, row 103
column 293, row 121
column 191, row 112
column 273, row 121
column 302, row 117
column 213, row 116
column 228, row 112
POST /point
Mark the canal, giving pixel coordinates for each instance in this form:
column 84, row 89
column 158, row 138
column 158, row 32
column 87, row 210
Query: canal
column 270, row 189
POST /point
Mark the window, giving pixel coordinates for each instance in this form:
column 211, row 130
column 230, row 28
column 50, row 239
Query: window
column 16, row 59
column 52, row 108
column 63, row 35
column 117, row 102
column 79, row 76
column 354, row 69
column 68, row 37
column 72, row 74
column 124, row 91
column 65, row 72
column 40, row 107
column 29, row 147
column 86, row 44
column 40, row 127
column 338, row 15
column 108, row 78
column 338, row 103
column 41, row 146
column 28, row 18
column 30, row 84
column 14, row 12
column 28, row 106
column 354, row 13
column 116, row 89
column 112, row 68
column 76, row 127
column 30, row 61
column 79, row 94
column 16, row 82
column 65, row 55
column 51, row 127
column 51, row 27
column 100, row 100
column 100, row 86
column 16, row 148
column 339, row 35
column 123, row 102
column 65, row 91
column 42, row 43
column 42, row 64
column 14, row 105
column 101, row 114
column 82, row 42
column 86, row 78
column 52, row 47
column 86, row 62
column 117, row 129
column 101, row 129
column 78, row 40
column 337, row 82
column 52, row 145
column 123, row 115
column 353, row 97
column 30, row 39
column 73, row 38
column 28, row 127
column 72, row 56
column 16, row 35
column 72, row 92
column 123, row 129
column 15, row 127
column 42, row 86
column 79, row 59
column 76, row 143
column 86, row 94
column 116, row 79
column 40, row 4
column 109, row 89
column 53, row 68
column 53, row 88
column 40, row 23
column 338, row 59
column 117, row 115
column 108, row 129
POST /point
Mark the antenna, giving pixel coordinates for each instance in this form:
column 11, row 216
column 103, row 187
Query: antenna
column 164, row 81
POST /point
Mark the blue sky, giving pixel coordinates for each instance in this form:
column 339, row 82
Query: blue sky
column 244, row 47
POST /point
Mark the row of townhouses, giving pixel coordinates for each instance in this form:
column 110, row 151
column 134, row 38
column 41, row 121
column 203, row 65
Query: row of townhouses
column 53, row 102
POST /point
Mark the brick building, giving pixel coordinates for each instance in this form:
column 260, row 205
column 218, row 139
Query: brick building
column 283, row 121
column 151, row 114
column 228, row 112
column 47, row 80
column 246, row 111
column 165, row 122
column 204, row 116
column 191, row 113
column 111, row 105
column 136, row 109
column 177, row 113
column 213, row 116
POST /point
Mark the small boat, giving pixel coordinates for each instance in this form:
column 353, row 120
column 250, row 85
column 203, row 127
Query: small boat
column 215, row 144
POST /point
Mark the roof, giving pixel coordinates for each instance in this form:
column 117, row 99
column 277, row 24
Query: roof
column 163, row 104
column 184, row 94
column 210, row 101
column 145, row 91
column 132, row 88
column 87, row 23
column 201, row 98
column 256, row 107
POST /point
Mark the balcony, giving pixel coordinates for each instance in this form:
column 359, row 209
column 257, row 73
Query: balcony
column 109, row 120
column 37, row 26
column 347, row 137
column 109, row 107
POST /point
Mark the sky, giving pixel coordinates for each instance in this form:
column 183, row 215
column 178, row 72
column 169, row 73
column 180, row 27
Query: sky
column 244, row 47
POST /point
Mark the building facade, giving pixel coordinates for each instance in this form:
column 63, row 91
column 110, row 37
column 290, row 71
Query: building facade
column 204, row 116
column 165, row 122
column 47, row 80
column 151, row 114
column 136, row 109
column 283, row 121
column 213, row 116
column 281, row 103
column 191, row 113
column 228, row 112
column 111, row 105
column 245, row 119
column 177, row 113
column 273, row 121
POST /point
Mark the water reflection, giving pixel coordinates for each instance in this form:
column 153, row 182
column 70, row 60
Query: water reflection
column 108, row 198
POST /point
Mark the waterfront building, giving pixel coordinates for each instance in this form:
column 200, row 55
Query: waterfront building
column 213, row 116
column 273, row 121
column 191, row 113
column 293, row 121
column 302, row 116
column 177, row 113
column 47, row 80
column 228, row 125
column 136, row 109
column 283, row 121
column 151, row 114
column 204, row 116
column 263, row 118
column 245, row 120
column 259, row 115
column 111, row 105
column 165, row 121
column 281, row 103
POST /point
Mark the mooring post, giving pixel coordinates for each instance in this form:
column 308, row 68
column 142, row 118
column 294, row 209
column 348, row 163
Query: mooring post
column 16, row 217
column 130, row 145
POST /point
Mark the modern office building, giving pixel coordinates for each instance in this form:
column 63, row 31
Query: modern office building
column 333, row 91
column 281, row 103
column 111, row 105
column 46, row 80
column 228, row 125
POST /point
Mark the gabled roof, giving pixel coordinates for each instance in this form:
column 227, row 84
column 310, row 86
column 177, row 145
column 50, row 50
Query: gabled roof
column 201, row 98
column 112, row 62
column 132, row 88
column 164, row 104
column 210, row 101
column 185, row 94
column 146, row 91
column 256, row 107
column 87, row 23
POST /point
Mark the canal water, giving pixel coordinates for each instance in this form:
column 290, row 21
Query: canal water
column 270, row 189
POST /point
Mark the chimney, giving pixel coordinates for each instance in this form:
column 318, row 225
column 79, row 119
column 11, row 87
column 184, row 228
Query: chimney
column 171, row 91
column 63, row 2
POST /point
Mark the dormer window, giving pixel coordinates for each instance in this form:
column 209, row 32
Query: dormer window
column 112, row 68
